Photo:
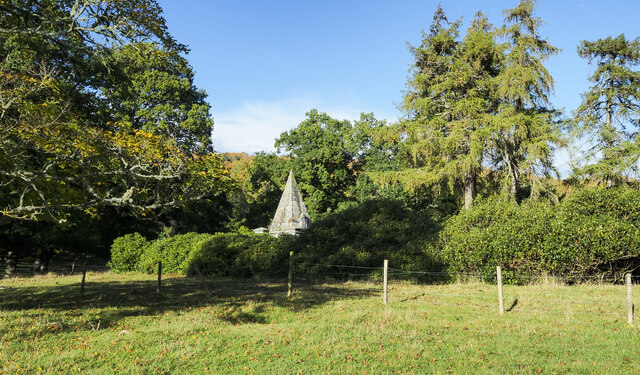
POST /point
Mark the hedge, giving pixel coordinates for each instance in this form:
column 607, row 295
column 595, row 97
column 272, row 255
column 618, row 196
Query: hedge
column 223, row 254
column 365, row 235
column 126, row 252
column 592, row 232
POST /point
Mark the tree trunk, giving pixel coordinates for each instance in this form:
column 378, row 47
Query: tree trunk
column 514, row 183
column 11, row 264
column 44, row 266
column 37, row 264
column 469, row 189
column 609, row 142
column 41, row 263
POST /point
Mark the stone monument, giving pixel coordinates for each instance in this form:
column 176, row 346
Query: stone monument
column 291, row 216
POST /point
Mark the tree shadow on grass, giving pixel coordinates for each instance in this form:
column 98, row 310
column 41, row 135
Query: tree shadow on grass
column 104, row 304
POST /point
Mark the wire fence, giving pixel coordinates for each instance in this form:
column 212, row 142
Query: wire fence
column 539, row 294
column 542, row 294
column 67, row 266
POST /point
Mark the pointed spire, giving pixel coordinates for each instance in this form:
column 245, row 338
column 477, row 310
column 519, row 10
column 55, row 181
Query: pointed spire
column 291, row 214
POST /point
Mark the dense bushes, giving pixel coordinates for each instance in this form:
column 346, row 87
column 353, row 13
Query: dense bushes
column 127, row 251
column 495, row 233
column 240, row 254
column 175, row 252
column 592, row 232
column 223, row 254
column 364, row 236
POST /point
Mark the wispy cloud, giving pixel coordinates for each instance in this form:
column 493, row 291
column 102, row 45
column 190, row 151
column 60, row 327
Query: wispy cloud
column 255, row 126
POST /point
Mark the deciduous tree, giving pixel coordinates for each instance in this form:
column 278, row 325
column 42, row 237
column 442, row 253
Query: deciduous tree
column 321, row 158
column 152, row 88
column 58, row 151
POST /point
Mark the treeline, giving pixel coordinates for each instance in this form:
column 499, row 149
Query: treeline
column 105, row 134
column 477, row 121
column 594, row 233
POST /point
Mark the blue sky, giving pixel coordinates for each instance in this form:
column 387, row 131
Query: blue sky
column 265, row 63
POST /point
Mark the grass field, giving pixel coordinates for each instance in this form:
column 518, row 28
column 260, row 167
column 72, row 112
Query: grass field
column 119, row 325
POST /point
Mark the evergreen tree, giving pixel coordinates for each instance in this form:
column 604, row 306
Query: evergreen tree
column 523, row 131
column 451, row 93
column 476, row 66
column 610, row 110
column 427, row 100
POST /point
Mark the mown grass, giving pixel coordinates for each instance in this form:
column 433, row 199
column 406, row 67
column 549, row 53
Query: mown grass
column 119, row 325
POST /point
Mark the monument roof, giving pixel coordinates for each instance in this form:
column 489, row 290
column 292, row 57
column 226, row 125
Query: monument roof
column 291, row 214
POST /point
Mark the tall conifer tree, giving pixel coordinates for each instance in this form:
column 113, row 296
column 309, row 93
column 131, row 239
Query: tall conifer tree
column 610, row 110
column 425, row 99
column 523, row 131
column 450, row 94
column 472, row 81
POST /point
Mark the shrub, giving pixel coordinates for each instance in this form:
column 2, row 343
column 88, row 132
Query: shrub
column 365, row 235
column 592, row 232
column 495, row 233
column 126, row 252
column 223, row 254
column 175, row 252
column 239, row 254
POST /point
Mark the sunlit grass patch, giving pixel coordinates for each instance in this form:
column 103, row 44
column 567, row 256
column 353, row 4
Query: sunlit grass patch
column 231, row 326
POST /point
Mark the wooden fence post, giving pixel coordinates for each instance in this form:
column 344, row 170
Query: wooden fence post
column 629, row 300
column 158, row 289
column 290, row 283
column 84, row 274
column 385, row 282
column 500, row 294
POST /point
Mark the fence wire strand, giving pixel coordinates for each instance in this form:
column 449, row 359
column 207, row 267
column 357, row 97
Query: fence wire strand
column 369, row 280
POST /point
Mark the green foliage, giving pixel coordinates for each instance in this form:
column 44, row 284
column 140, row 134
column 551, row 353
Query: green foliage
column 495, row 232
column 58, row 68
column 592, row 232
column 523, row 132
column 321, row 159
column 610, row 108
column 451, row 93
column 154, row 91
column 434, row 201
column 175, row 253
column 326, row 156
column 365, row 235
column 365, row 189
column 260, row 186
column 239, row 254
column 621, row 203
column 375, row 145
column 127, row 251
